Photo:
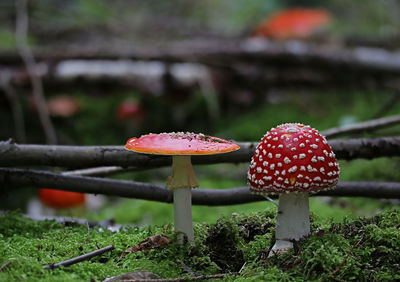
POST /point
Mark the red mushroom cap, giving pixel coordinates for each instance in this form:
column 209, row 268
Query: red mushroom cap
column 298, row 22
column 60, row 199
column 292, row 158
column 180, row 143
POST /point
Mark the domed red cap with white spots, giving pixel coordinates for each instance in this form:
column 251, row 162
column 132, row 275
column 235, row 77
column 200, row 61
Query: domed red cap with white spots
column 292, row 158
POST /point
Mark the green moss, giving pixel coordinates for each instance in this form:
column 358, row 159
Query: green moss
column 362, row 249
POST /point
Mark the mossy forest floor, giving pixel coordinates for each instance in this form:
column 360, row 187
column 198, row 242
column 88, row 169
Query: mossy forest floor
column 364, row 249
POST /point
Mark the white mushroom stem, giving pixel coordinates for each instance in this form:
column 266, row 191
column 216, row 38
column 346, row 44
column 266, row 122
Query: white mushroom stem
column 181, row 182
column 183, row 213
column 292, row 221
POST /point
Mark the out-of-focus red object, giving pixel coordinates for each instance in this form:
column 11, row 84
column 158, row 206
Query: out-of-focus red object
column 62, row 106
column 59, row 199
column 130, row 110
column 58, row 106
column 293, row 23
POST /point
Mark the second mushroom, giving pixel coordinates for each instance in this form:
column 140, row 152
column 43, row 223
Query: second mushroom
column 181, row 146
column 292, row 160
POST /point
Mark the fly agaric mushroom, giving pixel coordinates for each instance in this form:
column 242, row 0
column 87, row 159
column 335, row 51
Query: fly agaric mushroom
column 293, row 23
column 181, row 145
column 60, row 199
column 292, row 160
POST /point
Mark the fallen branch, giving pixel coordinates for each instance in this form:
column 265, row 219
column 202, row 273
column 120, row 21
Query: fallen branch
column 360, row 127
column 12, row 154
column 80, row 258
column 12, row 177
column 248, row 50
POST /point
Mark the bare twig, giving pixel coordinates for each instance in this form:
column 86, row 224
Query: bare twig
column 196, row 278
column 12, row 154
column 99, row 171
column 365, row 126
column 26, row 54
column 11, row 177
column 187, row 268
column 4, row 265
column 80, row 258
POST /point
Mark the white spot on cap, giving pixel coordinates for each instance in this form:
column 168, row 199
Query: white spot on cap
column 286, row 160
column 314, row 146
column 317, row 178
column 270, row 155
column 300, row 176
column 295, row 139
column 302, row 156
column 294, row 157
column 279, row 164
column 305, row 185
column 275, row 139
column 272, row 167
column 276, row 172
column 283, row 172
column 280, row 146
column 302, row 145
column 264, row 152
column 277, row 156
column 293, row 149
column 314, row 159
column 302, row 168
column 259, row 169
column 265, row 163
column 322, row 170
column 292, row 169
column 322, row 159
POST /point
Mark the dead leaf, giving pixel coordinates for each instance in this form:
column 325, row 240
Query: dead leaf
column 147, row 244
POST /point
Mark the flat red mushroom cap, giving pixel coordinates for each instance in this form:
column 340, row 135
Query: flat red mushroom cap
column 180, row 143
column 60, row 199
column 293, row 23
column 292, row 158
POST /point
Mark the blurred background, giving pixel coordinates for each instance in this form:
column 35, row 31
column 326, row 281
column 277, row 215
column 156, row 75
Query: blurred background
column 107, row 71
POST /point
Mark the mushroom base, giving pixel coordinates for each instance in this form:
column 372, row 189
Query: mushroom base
column 183, row 175
column 292, row 221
